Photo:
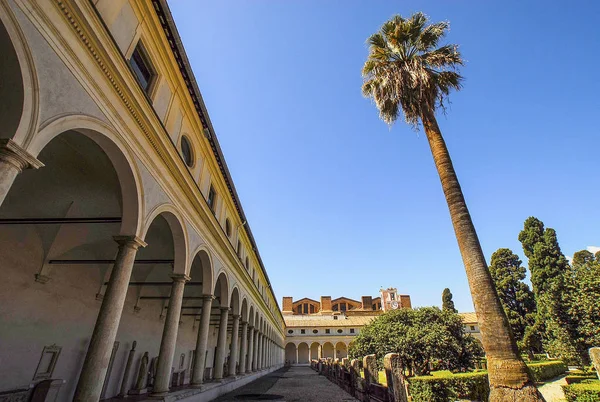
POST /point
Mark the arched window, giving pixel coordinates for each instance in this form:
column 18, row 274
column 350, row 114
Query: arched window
column 186, row 151
column 228, row 227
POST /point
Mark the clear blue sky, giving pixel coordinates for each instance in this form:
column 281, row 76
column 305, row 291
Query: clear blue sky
column 340, row 204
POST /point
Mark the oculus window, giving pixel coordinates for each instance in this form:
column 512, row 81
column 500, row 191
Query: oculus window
column 143, row 70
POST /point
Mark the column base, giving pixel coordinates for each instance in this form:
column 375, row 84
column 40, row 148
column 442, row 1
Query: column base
column 138, row 391
column 42, row 278
column 159, row 394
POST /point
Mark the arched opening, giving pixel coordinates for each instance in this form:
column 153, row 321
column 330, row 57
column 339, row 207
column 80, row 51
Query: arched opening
column 303, row 357
column 328, row 350
column 222, row 299
column 290, row 353
column 314, row 351
column 341, row 350
column 56, row 246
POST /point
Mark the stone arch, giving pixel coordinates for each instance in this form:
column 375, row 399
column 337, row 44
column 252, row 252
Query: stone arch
column 20, row 96
column 221, row 290
column 314, row 350
column 327, row 350
column 119, row 154
column 341, row 350
column 202, row 263
column 290, row 353
column 180, row 241
column 235, row 301
column 303, row 353
column 251, row 315
column 244, row 311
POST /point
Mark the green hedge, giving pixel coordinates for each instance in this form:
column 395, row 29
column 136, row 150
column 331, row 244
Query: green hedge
column 445, row 386
column 472, row 386
column 543, row 371
column 585, row 391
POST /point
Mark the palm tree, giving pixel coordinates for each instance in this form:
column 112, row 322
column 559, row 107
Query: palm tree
column 407, row 72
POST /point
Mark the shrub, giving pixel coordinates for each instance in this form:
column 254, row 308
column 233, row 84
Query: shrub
column 449, row 387
column 547, row 370
column 585, row 391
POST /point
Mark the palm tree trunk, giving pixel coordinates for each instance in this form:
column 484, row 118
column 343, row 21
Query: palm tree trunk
column 508, row 375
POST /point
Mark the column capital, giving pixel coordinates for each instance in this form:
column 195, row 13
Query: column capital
column 208, row 297
column 17, row 156
column 130, row 241
column 224, row 309
column 180, row 278
column 250, row 327
column 244, row 322
column 236, row 316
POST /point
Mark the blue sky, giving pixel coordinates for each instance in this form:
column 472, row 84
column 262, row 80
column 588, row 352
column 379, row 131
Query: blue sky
column 342, row 205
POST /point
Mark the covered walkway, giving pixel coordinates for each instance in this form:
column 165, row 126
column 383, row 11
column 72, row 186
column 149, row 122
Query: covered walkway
column 289, row 384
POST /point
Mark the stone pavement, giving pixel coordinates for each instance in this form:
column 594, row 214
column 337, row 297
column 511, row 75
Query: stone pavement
column 290, row 384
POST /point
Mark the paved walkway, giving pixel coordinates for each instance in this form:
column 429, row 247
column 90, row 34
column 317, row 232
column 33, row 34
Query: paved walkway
column 290, row 384
column 552, row 390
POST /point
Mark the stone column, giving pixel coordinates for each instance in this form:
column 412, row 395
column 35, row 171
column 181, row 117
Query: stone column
column 125, row 382
column 296, row 354
column 233, row 356
column 202, row 341
column 250, row 349
column 320, row 352
column 96, row 360
column 169, row 336
column 221, row 344
column 13, row 160
column 255, row 352
column 244, row 347
column 259, row 361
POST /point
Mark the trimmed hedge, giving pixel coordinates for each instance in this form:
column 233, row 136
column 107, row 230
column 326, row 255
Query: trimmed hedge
column 472, row 386
column 547, row 370
column 585, row 391
column 445, row 386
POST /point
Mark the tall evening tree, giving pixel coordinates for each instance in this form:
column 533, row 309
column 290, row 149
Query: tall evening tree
column 516, row 297
column 408, row 73
column 549, row 270
column 447, row 302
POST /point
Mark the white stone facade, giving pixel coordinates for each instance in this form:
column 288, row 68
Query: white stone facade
column 109, row 233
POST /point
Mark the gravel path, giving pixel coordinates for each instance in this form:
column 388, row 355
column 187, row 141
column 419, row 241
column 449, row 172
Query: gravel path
column 290, row 384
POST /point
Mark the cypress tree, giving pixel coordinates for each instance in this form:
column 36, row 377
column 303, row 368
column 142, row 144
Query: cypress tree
column 516, row 298
column 447, row 303
column 549, row 271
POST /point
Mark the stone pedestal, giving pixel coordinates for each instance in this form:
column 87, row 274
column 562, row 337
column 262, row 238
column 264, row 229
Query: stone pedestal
column 394, row 374
column 370, row 369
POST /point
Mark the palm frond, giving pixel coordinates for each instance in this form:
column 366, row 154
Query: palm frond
column 406, row 72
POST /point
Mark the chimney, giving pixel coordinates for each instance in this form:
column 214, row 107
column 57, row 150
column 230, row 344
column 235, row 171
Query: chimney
column 405, row 301
column 325, row 304
column 367, row 303
column 288, row 303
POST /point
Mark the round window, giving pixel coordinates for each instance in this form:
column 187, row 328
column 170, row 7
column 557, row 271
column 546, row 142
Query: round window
column 315, row 331
column 290, row 331
column 339, row 331
column 186, row 151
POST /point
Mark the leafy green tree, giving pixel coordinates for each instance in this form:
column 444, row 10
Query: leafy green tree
column 421, row 337
column 447, row 303
column 516, row 297
column 549, row 270
column 409, row 73
column 584, row 301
